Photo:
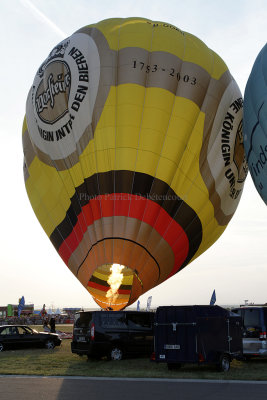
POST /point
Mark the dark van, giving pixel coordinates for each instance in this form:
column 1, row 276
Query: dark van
column 115, row 334
column 254, row 322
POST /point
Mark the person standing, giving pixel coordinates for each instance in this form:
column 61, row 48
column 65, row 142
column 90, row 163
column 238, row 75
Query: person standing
column 45, row 325
column 52, row 324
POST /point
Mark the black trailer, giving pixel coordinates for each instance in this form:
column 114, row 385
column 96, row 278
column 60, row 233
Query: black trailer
column 197, row 334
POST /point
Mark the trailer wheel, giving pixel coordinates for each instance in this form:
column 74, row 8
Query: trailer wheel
column 224, row 363
column 172, row 366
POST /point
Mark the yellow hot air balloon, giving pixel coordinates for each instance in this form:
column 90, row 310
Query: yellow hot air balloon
column 134, row 159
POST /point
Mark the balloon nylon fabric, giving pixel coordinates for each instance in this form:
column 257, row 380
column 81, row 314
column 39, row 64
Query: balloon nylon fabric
column 133, row 152
column 255, row 123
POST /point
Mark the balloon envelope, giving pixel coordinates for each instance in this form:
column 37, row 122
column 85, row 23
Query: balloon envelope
column 255, row 123
column 134, row 155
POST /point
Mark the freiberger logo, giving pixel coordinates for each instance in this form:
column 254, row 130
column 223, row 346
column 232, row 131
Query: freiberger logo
column 239, row 156
column 51, row 99
column 57, row 52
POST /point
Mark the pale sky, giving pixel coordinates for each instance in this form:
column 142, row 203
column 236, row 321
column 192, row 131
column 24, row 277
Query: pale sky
column 235, row 266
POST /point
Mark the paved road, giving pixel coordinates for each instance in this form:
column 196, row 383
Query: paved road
column 62, row 388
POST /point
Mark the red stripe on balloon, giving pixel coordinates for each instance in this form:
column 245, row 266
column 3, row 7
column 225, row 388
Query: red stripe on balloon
column 133, row 206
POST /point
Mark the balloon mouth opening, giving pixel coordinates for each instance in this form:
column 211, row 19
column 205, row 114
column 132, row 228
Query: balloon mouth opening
column 111, row 285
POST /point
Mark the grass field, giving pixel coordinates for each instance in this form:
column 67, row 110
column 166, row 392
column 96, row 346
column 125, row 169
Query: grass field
column 61, row 361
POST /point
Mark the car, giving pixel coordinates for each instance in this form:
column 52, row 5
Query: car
column 254, row 322
column 114, row 334
column 23, row 336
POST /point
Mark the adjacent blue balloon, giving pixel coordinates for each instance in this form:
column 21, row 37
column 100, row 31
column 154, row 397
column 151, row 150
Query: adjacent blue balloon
column 255, row 123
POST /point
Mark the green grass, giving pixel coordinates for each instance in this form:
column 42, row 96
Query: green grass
column 61, row 361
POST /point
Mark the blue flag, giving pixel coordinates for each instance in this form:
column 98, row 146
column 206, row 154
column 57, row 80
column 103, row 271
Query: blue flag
column 149, row 300
column 21, row 305
column 213, row 298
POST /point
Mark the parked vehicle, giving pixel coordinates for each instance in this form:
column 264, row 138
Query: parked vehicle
column 254, row 322
column 22, row 336
column 115, row 334
column 197, row 334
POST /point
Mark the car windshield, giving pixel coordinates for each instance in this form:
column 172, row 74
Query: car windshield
column 23, row 330
column 252, row 317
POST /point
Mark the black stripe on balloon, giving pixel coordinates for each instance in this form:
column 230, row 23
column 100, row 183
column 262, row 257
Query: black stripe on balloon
column 119, row 238
column 143, row 185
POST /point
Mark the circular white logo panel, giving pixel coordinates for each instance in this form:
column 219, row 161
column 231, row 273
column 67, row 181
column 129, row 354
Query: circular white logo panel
column 61, row 102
